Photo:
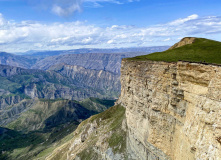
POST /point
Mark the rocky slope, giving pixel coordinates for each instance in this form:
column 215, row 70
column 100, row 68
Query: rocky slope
column 102, row 136
column 104, row 81
column 67, row 82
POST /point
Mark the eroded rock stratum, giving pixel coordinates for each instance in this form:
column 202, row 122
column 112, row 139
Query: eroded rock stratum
column 173, row 110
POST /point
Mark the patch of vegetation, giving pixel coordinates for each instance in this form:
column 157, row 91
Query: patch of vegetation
column 115, row 114
column 202, row 50
column 8, row 85
column 97, row 105
column 117, row 141
column 16, row 145
column 88, row 154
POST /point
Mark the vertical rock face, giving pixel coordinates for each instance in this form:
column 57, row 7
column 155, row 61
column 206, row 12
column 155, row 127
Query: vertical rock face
column 173, row 110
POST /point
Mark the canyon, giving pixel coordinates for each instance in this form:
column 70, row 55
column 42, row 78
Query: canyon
column 168, row 109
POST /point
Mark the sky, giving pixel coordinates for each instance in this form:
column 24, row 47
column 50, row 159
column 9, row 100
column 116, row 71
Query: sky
column 69, row 24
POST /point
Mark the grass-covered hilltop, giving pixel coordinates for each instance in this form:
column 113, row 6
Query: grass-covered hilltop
column 188, row 49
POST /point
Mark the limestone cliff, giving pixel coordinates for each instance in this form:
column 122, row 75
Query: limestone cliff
column 173, row 110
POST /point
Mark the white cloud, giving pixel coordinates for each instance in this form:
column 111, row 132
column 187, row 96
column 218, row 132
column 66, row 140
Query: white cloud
column 183, row 20
column 110, row 41
column 168, row 39
column 66, row 8
column 2, row 20
column 29, row 35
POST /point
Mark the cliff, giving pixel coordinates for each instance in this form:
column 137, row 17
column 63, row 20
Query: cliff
column 172, row 109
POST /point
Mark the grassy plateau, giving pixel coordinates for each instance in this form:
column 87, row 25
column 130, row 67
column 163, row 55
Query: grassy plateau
column 201, row 50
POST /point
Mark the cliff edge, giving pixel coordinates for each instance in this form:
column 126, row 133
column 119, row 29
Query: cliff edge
column 168, row 110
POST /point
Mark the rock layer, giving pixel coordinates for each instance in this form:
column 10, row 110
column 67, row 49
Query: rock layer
column 173, row 110
column 183, row 42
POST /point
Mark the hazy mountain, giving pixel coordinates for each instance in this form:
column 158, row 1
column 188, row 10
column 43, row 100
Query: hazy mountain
column 97, row 61
column 94, row 50
column 16, row 60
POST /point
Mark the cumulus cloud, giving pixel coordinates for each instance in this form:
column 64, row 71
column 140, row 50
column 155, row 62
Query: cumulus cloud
column 29, row 35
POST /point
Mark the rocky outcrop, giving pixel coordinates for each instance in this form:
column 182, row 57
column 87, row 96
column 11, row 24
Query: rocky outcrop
column 172, row 109
column 9, row 100
column 103, row 81
column 12, row 112
column 183, row 42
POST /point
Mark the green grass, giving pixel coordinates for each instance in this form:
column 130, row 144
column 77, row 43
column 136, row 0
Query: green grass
column 202, row 50
column 34, row 144
column 97, row 105
column 89, row 154
column 8, row 85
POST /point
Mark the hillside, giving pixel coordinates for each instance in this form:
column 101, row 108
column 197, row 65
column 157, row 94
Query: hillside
column 45, row 125
column 200, row 50
column 102, row 136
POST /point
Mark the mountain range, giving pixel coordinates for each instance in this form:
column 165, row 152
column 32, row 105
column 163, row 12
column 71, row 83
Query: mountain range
column 45, row 96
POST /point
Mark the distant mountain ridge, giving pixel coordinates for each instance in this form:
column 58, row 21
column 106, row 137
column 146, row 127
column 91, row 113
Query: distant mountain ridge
column 109, row 59
column 16, row 60
column 94, row 50
column 97, row 61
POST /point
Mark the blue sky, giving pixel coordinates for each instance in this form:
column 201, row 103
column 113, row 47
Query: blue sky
column 68, row 24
